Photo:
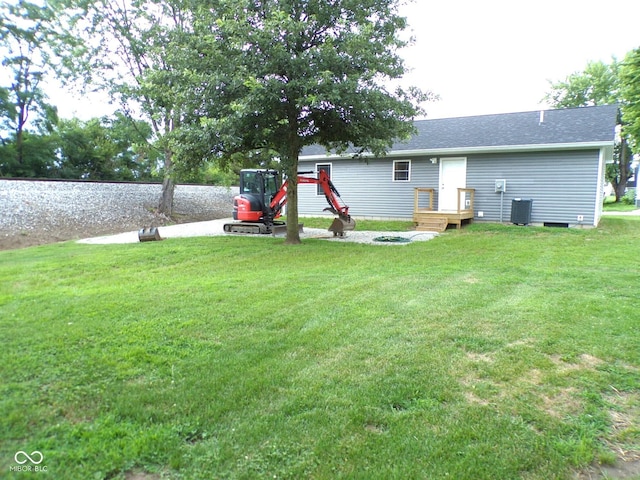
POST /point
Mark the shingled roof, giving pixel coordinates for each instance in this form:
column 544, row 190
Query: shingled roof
column 562, row 127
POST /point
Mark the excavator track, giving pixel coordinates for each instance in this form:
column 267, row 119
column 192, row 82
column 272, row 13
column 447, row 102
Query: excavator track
column 247, row 228
column 254, row 228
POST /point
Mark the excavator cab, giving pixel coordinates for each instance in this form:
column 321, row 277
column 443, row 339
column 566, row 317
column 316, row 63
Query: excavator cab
column 257, row 189
column 263, row 184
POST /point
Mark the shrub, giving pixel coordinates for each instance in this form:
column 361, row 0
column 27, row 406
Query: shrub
column 629, row 197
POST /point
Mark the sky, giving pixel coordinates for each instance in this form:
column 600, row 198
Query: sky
column 497, row 56
column 486, row 56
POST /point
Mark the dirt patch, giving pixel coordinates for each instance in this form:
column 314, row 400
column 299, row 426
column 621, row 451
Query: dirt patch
column 621, row 470
column 561, row 403
column 622, row 441
column 625, row 420
column 139, row 475
column 375, row 428
column 480, row 357
column 45, row 234
column 582, row 362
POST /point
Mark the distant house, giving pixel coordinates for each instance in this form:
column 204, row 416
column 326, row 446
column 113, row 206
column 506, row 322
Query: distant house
column 548, row 164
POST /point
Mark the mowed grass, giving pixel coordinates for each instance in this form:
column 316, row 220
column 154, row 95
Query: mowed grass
column 493, row 352
column 610, row 205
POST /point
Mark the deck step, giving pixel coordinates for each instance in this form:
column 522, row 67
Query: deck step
column 432, row 225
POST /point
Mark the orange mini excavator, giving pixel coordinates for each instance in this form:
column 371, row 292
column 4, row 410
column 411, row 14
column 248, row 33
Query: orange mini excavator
column 262, row 197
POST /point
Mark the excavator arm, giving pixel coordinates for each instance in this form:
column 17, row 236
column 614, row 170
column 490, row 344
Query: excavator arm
column 336, row 205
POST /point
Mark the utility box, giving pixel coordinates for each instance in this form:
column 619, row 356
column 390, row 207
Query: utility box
column 501, row 186
column 521, row 211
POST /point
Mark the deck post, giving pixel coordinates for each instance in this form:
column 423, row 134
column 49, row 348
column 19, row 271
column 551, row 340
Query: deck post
column 428, row 219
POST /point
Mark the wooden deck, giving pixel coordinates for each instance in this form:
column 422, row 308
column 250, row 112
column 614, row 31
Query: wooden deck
column 428, row 219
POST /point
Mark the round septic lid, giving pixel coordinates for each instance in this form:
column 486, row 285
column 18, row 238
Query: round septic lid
column 392, row 239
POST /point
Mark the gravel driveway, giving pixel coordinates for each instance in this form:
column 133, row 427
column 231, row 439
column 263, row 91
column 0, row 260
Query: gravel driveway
column 214, row 228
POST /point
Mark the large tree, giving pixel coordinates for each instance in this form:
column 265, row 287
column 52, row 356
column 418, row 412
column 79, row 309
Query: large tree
column 27, row 39
column 278, row 75
column 599, row 84
column 630, row 93
column 133, row 51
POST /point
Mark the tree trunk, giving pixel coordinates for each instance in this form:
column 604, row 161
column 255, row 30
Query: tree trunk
column 291, row 169
column 165, row 206
column 293, row 235
column 623, row 169
column 20, row 147
column 20, row 133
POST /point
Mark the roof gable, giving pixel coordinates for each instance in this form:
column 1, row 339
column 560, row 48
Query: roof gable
column 560, row 127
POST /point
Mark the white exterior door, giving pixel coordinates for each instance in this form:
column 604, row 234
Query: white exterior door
column 453, row 175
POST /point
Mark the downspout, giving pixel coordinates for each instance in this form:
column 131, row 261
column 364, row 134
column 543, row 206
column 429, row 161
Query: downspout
column 600, row 187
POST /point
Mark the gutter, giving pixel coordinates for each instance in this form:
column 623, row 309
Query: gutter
column 473, row 150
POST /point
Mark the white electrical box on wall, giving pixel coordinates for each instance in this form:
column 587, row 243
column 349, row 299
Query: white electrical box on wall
column 501, row 186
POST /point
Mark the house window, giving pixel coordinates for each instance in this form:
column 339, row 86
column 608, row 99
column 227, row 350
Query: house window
column 401, row 170
column 327, row 168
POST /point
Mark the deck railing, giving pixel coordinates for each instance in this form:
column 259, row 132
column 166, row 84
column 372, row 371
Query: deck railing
column 465, row 200
column 466, row 197
column 416, row 206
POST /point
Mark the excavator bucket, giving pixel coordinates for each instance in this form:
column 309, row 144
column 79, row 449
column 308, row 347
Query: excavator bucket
column 149, row 234
column 342, row 224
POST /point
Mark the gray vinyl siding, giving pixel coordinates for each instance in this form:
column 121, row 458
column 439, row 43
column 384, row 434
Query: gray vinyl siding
column 367, row 187
column 561, row 184
column 555, row 158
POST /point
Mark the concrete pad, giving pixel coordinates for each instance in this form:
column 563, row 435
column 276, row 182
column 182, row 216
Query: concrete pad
column 196, row 229
column 632, row 213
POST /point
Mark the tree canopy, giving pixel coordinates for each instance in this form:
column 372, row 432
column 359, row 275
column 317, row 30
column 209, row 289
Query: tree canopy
column 597, row 84
column 105, row 149
column 133, row 51
column 600, row 84
column 630, row 93
column 27, row 38
column 279, row 75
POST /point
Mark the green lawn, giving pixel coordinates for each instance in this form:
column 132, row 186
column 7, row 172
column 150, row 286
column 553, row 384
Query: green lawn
column 495, row 352
column 610, row 205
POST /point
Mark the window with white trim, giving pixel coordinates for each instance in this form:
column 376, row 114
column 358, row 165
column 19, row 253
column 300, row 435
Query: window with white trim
column 327, row 168
column 401, row 170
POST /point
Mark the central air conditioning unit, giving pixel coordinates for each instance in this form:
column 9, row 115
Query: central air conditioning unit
column 521, row 211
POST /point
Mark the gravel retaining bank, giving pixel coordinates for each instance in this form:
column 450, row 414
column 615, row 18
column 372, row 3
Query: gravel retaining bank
column 37, row 212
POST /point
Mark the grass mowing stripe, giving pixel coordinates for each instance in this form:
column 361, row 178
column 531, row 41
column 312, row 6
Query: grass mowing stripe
column 491, row 352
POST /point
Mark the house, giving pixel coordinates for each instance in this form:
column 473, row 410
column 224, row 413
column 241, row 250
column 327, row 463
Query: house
column 545, row 167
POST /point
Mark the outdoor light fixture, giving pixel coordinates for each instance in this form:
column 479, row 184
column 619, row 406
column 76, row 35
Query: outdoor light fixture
column 434, row 160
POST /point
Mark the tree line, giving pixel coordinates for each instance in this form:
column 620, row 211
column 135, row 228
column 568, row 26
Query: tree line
column 228, row 83
column 600, row 83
